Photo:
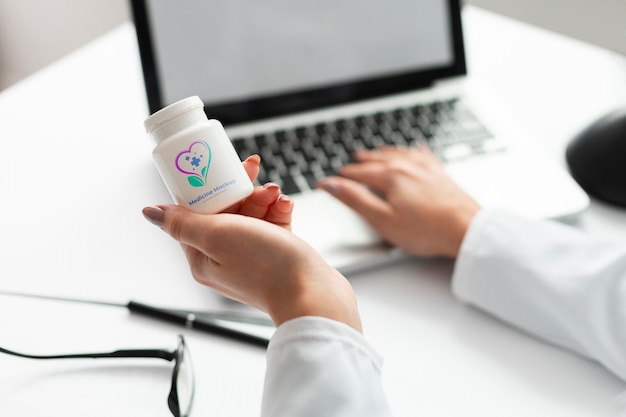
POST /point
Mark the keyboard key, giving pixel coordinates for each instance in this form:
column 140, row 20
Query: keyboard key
column 288, row 185
column 260, row 141
column 311, row 178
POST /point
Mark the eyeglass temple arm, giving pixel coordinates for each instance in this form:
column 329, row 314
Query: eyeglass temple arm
column 125, row 353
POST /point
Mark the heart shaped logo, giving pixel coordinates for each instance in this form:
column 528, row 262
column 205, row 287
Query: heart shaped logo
column 194, row 162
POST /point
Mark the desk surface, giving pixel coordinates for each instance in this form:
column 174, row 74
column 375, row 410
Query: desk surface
column 76, row 169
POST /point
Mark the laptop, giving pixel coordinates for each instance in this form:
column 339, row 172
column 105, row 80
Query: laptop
column 304, row 84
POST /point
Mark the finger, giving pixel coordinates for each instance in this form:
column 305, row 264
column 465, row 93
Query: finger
column 421, row 154
column 373, row 174
column 371, row 207
column 428, row 153
column 251, row 165
column 280, row 213
column 424, row 156
column 384, row 153
column 258, row 203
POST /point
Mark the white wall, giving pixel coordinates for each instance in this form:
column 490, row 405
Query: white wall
column 599, row 22
column 34, row 33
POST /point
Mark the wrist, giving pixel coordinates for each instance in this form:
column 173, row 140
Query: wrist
column 320, row 292
column 461, row 225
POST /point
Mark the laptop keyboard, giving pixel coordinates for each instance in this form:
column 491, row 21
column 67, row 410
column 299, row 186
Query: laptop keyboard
column 297, row 158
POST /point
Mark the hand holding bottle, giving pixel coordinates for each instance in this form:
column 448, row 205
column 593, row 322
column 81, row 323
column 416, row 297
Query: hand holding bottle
column 247, row 253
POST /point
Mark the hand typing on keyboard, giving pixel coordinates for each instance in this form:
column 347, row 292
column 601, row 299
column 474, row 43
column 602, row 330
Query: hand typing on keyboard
column 406, row 196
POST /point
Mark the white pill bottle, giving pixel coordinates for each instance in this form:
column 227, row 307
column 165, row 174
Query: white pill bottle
column 196, row 159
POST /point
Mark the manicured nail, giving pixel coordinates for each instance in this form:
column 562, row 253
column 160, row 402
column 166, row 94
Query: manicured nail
column 154, row 215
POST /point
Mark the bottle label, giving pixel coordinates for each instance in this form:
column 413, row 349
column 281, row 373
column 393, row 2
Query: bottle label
column 194, row 163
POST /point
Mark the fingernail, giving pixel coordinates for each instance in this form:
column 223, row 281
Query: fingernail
column 270, row 185
column 256, row 158
column 154, row 215
column 329, row 186
column 284, row 198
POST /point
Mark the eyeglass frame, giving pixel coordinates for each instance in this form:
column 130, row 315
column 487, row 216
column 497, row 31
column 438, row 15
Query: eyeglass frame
column 177, row 356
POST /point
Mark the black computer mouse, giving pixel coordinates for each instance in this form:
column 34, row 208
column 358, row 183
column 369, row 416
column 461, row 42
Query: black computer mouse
column 597, row 158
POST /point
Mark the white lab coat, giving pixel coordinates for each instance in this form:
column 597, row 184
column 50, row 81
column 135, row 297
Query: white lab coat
column 544, row 277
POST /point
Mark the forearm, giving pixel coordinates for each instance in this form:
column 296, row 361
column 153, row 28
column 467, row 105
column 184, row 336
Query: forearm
column 549, row 279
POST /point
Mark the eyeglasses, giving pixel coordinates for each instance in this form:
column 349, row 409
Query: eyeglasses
column 181, row 393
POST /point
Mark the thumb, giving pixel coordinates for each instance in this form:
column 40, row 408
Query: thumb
column 185, row 226
column 251, row 165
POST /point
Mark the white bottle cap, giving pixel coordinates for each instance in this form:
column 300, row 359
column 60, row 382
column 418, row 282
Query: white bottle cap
column 172, row 112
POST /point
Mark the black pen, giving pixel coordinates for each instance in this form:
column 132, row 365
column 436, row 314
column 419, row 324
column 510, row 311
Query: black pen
column 207, row 322
column 191, row 321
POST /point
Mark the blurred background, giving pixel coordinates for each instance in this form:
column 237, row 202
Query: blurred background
column 34, row 33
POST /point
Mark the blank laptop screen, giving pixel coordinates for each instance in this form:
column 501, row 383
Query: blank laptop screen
column 233, row 51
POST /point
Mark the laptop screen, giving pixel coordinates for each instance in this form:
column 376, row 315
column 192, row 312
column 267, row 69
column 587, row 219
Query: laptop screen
column 248, row 59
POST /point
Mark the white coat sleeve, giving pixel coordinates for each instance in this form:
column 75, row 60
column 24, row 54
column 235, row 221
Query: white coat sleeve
column 549, row 279
column 320, row 367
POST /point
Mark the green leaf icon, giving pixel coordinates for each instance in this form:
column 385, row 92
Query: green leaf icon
column 195, row 181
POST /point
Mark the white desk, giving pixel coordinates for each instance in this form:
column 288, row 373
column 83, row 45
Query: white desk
column 76, row 169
